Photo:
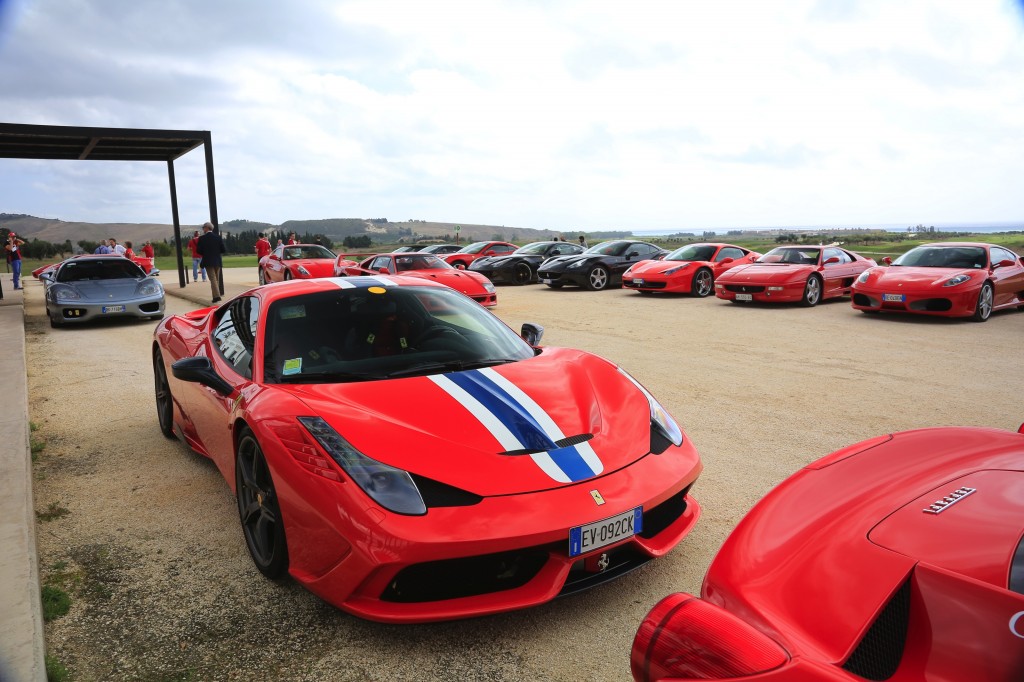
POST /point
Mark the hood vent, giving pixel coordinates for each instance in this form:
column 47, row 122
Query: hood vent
column 560, row 443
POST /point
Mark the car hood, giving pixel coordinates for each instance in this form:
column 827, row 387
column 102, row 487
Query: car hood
column 981, row 510
column 460, row 280
column 655, row 267
column 491, row 431
column 765, row 272
column 98, row 291
column 313, row 265
column 916, row 276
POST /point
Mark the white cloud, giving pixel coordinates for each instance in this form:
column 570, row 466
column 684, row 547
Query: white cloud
column 599, row 114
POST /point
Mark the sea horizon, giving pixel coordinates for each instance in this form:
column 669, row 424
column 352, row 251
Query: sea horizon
column 982, row 227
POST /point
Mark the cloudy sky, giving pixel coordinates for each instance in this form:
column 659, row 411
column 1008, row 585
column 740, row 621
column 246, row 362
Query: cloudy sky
column 531, row 113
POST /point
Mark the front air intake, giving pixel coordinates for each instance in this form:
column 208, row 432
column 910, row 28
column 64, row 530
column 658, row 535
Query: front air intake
column 878, row 655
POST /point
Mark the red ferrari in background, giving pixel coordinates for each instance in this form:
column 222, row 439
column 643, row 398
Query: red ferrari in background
column 791, row 274
column 469, row 253
column 296, row 261
column 950, row 279
column 899, row 558
column 691, row 269
column 404, row 455
column 427, row 266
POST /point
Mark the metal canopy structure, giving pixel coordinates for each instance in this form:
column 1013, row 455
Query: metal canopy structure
column 74, row 143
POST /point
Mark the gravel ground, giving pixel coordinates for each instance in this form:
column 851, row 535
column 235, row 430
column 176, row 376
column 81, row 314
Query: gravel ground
column 162, row 586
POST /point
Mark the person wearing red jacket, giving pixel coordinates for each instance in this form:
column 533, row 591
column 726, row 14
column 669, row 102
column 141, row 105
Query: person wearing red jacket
column 196, row 258
column 262, row 247
column 147, row 249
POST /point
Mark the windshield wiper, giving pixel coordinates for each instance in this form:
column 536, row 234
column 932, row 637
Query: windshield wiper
column 327, row 377
column 450, row 366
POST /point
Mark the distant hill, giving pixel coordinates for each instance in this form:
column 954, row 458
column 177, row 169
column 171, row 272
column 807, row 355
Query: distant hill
column 380, row 230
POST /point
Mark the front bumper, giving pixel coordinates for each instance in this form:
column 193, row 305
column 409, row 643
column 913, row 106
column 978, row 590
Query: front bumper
column 765, row 293
column 73, row 312
column 504, row 553
column 933, row 301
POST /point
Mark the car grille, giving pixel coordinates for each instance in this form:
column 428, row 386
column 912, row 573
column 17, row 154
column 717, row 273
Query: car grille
column 744, row 288
column 465, row 577
column 646, row 285
column 152, row 307
column 878, row 655
column 931, row 305
column 664, row 515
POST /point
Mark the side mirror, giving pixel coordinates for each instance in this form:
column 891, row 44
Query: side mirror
column 887, row 260
column 1007, row 263
column 632, row 254
column 532, row 333
column 46, row 276
column 832, row 260
column 725, row 261
column 199, row 370
column 384, row 270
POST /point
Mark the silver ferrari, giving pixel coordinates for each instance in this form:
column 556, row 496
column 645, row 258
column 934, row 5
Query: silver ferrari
column 93, row 287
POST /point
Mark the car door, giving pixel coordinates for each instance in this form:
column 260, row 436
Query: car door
column 634, row 254
column 274, row 269
column 230, row 349
column 838, row 276
column 736, row 254
column 1008, row 281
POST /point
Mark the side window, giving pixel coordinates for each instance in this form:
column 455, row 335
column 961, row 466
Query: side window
column 382, row 262
column 501, row 248
column 729, row 252
column 835, row 253
column 999, row 254
column 645, row 250
column 235, row 335
column 279, row 252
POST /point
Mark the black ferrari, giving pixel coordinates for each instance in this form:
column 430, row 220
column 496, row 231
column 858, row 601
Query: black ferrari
column 600, row 266
column 520, row 266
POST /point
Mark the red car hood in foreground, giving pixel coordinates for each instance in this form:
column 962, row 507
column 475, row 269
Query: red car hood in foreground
column 916, row 276
column 448, row 427
column 317, row 267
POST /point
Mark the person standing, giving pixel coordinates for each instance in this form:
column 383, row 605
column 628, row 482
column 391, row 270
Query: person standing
column 128, row 253
column 196, row 259
column 115, row 247
column 262, row 247
column 103, row 248
column 210, row 247
column 583, row 242
column 147, row 249
column 14, row 256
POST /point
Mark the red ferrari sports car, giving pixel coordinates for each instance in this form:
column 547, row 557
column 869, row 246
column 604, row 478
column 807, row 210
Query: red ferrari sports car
column 790, row 274
column 469, row 253
column 296, row 261
column 951, row 279
column 428, row 266
column 899, row 558
column 401, row 453
column 691, row 269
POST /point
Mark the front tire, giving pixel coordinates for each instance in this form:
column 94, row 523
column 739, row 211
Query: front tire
column 287, row 275
column 55, row 320
column 597, row 278
column 812, row 292
column 522, row 274
column 164, row 400
column 459, row 265
column 983, row 309
column 258, row 509
column 703, row 283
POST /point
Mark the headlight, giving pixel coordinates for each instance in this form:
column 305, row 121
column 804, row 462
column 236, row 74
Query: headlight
column 628, row 273
column 672, row 271
column 863, row 277
column 303, row 271
column 391, row 488
column 489, row 287
column 577, row 264
column 62, row 292
column 662, row 422
column 149, row 288
column 959, row 279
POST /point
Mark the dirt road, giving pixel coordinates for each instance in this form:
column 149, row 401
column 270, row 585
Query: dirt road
column 162, row 586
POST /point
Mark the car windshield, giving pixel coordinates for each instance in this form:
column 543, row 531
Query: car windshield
column 439, row 248
column 609, row 248
column 693, row 252
column 420, row 261
column 534, row 249
column 81, row 269
column 475, row 247
column 371, row 333
column 304, row 251
column 960, row 257
column 791, row 255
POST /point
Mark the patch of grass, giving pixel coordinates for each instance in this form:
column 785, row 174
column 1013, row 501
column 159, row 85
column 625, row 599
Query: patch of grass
column 56, row 602
column 55, row 670
column 54, row 511
column 32, row 426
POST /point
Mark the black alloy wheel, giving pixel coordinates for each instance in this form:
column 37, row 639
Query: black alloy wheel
column 164, row 400
column 522, row 274
column 287, row 275
column 598, row 278
column 258, row 509
column 703, row 283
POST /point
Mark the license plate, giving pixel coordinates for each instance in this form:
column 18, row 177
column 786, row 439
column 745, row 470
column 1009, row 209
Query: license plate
column 583, row 539
column 894, row 298
column 113, row 309
column 638, row 281
column 546, row 281
column 744, row 297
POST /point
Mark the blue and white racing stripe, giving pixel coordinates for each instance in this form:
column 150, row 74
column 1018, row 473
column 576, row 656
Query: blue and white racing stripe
column 362, row 281
column 517, row 422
